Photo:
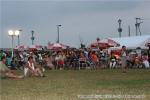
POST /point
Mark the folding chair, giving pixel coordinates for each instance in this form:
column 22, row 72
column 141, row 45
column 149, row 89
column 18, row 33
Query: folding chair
column 82, row 63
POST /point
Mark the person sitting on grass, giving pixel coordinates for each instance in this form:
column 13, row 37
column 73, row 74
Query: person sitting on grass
column 31, row 69
column 6, row 72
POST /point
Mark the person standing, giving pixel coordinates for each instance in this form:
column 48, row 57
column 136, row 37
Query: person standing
column 124, row 59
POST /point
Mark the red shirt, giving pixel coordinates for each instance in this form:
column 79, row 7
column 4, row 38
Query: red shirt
column 94, row 58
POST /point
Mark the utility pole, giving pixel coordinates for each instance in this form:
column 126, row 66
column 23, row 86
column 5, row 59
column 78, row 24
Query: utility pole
column 19, row 37
column 129, row 34
column 58, row 32
column 119, row 29
column 32, row 37
column 137, row 26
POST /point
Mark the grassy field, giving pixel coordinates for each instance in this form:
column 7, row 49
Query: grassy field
column 73, row 85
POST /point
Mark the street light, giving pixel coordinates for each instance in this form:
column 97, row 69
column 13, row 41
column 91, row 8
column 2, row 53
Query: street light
column 12, row 34
column 119, row 29
column 58, row 32
column 19, row 37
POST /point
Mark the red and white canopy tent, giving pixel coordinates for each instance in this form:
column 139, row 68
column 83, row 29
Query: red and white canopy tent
column 31, row 47
column 56, row 46
column 35, row 47
column 104, row 44
column 112, row 43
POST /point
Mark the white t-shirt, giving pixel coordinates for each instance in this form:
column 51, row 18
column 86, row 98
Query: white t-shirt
column 124, row 54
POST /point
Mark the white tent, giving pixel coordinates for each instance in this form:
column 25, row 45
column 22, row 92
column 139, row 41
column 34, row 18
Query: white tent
column 133, row 42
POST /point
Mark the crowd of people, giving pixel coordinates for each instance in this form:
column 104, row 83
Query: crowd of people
column 34, row 63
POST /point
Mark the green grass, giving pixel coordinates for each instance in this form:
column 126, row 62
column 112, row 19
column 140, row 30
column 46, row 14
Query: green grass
column 68, row 84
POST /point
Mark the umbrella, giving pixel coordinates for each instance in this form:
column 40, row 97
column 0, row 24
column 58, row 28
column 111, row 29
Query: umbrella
column 104, row 44
column 112, row 43
column 36, row 47
column 96, row 45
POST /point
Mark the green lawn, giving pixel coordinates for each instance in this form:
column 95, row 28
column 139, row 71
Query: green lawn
column 69, row 84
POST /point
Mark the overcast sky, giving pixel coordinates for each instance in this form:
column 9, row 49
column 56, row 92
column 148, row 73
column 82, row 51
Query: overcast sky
column 81, row 20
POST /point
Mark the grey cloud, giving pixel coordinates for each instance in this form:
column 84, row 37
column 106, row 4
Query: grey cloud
column 88, row 19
